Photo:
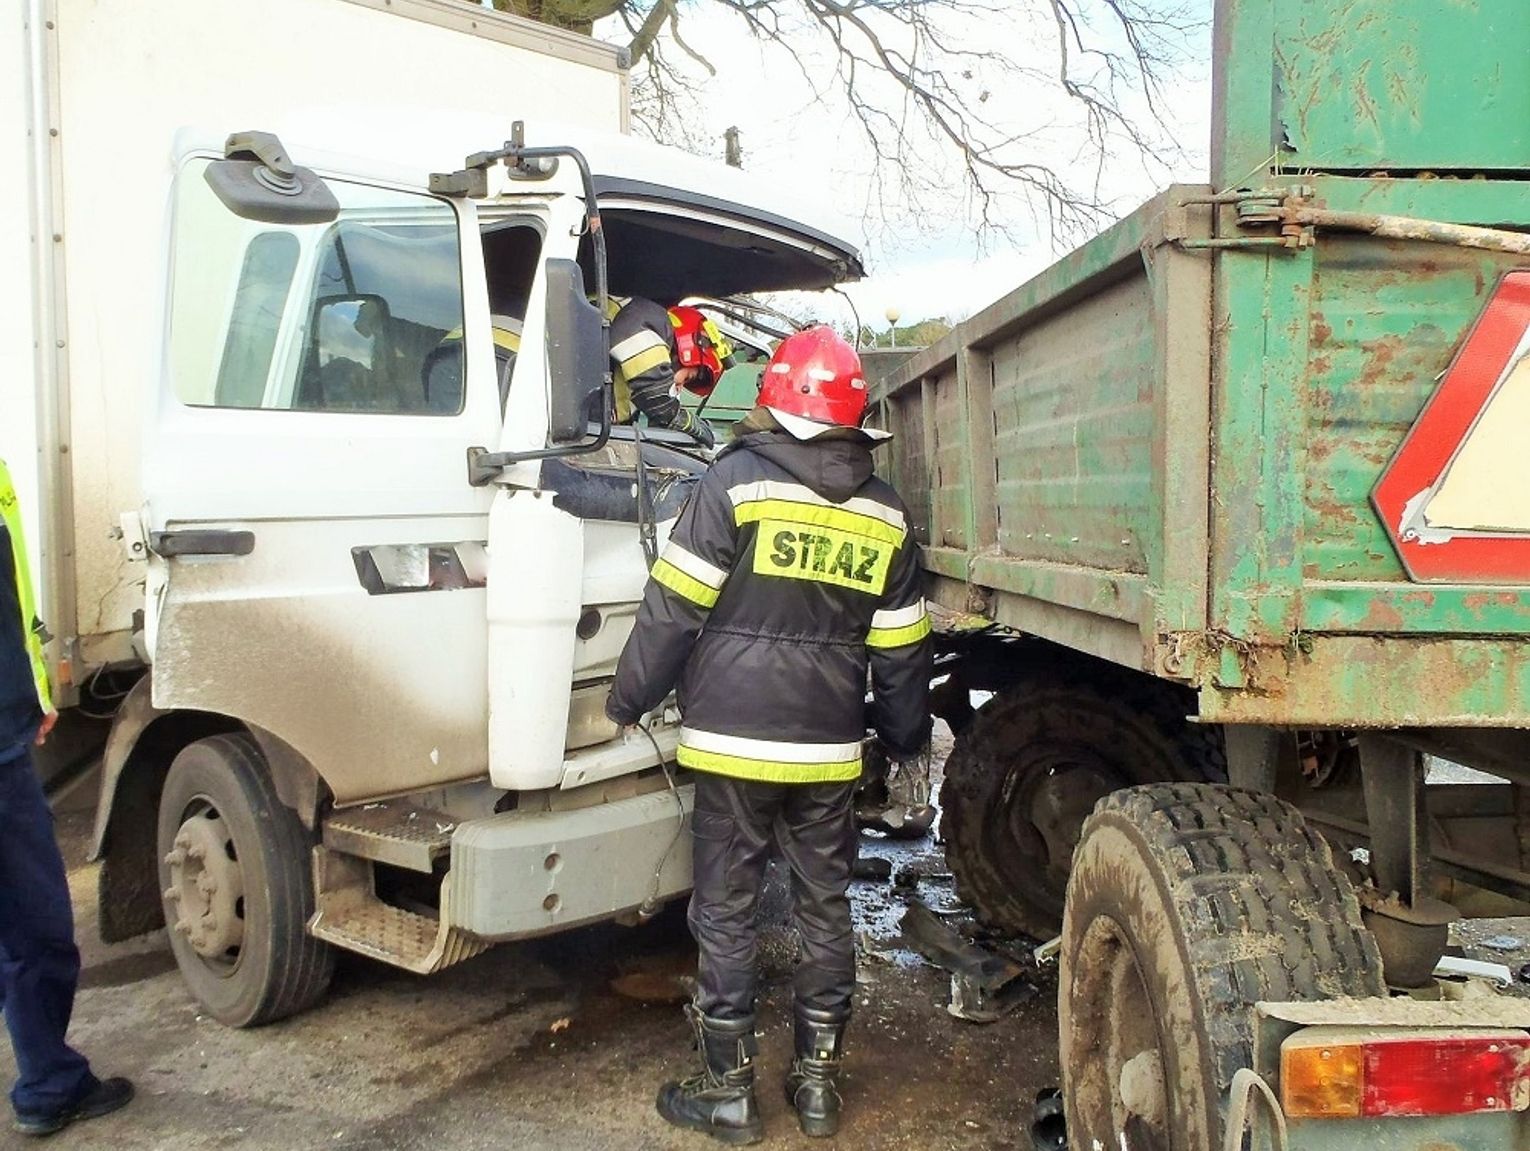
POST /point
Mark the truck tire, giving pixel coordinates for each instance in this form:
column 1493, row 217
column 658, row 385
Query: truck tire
column 1025, row 774
column 235, row 869
column 1188, row 903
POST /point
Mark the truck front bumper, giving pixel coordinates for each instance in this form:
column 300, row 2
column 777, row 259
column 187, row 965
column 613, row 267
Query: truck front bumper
column 533, row 873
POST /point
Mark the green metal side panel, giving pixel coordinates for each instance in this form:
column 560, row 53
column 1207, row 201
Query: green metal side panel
column 1410, row 84
column 1073, row 433
column 1261, row 309
column 1386, row 320
column 907, row 466
column 946, row 416
column 1326, row 357
column 1162, row 449
column 1033, row 445
column 1362, row 85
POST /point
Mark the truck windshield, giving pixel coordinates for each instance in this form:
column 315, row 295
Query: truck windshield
column 351, row 316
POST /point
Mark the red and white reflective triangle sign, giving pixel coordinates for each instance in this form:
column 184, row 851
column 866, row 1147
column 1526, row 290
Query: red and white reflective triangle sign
column 1456, row 497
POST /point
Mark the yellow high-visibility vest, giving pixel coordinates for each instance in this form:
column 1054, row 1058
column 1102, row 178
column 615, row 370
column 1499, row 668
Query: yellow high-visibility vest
column 10, row 513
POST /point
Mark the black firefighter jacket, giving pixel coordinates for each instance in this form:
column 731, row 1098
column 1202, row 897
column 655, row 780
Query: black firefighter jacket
column 643, row 356
column 789, row 570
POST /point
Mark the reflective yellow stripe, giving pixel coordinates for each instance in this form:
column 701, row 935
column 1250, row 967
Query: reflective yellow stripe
column 645, row 361
column 889, row 617
column 768, row 771
column 818, row 516
column 507, row 338
column 684, row 585
column 10, row 514
column 748, row 493
column 640, row 340
column 898, row 636
column 693, row 565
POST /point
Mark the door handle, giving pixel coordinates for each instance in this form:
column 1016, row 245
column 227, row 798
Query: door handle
column 202, row 542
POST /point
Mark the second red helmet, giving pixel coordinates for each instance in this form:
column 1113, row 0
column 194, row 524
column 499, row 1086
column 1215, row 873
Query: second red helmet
column 700, row 344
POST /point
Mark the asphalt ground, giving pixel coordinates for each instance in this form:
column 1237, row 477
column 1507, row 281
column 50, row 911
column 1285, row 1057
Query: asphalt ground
column 529, row 1046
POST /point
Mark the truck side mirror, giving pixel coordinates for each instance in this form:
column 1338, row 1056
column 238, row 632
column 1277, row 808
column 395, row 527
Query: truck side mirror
column 349, row 353
column 576, row 355
column 257, row 181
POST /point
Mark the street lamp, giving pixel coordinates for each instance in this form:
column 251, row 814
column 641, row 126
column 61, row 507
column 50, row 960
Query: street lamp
column 893, row 315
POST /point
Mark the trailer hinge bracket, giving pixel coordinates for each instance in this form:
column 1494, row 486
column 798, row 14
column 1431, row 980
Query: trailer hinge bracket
column 1257, row 208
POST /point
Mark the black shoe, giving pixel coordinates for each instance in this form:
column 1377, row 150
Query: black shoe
column 720, row 1100
column 812, row 1085
column 107, row 1096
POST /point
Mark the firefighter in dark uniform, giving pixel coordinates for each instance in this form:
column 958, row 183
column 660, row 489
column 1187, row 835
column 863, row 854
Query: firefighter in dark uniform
column 656, row 351
column 39, row 964
column 789, row 572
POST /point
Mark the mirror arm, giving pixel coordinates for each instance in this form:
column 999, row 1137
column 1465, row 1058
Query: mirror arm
column 484, row 466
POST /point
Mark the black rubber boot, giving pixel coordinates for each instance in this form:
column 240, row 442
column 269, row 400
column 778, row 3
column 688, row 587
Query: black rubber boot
column 720, row 1100
column 812, row 1085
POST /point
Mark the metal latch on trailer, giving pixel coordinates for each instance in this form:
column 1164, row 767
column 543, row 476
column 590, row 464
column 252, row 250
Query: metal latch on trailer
column 1292, row 210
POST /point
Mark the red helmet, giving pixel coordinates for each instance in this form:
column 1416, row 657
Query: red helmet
column 700, row 345
column 815, row 374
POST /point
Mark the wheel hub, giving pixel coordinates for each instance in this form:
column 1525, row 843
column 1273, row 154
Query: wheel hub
column 1142, row 1088
column 1060, row 802
column 206, row 887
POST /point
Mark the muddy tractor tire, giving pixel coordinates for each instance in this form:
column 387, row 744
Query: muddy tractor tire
column 1025, row 774
column 235, row 869
column 1188, row 903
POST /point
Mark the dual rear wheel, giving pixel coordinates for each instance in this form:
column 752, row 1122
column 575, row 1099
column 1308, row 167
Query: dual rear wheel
column 1089, row 804
column 1027, row 771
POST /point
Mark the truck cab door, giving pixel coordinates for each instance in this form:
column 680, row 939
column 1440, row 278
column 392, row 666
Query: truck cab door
column 319, row 558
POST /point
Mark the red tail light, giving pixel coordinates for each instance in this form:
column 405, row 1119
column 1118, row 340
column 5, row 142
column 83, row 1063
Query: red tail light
column 1446, row 1076
column 1404, row 1075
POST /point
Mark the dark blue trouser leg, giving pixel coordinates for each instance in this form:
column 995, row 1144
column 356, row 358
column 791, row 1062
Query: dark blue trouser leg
column 733, row 827
column 39, row 963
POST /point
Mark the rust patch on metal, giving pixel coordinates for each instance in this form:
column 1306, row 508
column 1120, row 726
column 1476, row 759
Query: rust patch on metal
column 1382, row 616
column 1322, row 332
column 1381, row 354
column 1479, row 602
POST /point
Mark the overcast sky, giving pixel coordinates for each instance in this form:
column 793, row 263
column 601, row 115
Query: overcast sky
column 933, row 264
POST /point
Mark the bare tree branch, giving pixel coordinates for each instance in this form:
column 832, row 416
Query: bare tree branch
column 917, row 77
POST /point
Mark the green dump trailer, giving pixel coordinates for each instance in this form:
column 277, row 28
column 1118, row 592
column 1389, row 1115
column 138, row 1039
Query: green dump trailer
column 1233, row 507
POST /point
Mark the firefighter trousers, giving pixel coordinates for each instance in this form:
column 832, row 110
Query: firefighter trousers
column 812, row 827
column 39, row 965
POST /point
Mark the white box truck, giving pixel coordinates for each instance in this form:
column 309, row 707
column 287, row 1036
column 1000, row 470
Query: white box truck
column 309, row 417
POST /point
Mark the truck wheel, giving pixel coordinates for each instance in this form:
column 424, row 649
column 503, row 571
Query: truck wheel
column 1188, row 903
column 236, row 875
column 1025, row 774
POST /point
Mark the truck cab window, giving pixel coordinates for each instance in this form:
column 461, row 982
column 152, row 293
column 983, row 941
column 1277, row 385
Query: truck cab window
column 354, row 316
column 386, row 294
column 512, row 251
column 253, row 328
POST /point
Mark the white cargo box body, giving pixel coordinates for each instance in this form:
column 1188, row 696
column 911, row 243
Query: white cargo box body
column 92, row 95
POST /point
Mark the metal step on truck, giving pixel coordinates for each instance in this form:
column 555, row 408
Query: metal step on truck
column 310, row 420
column 1235, row 500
